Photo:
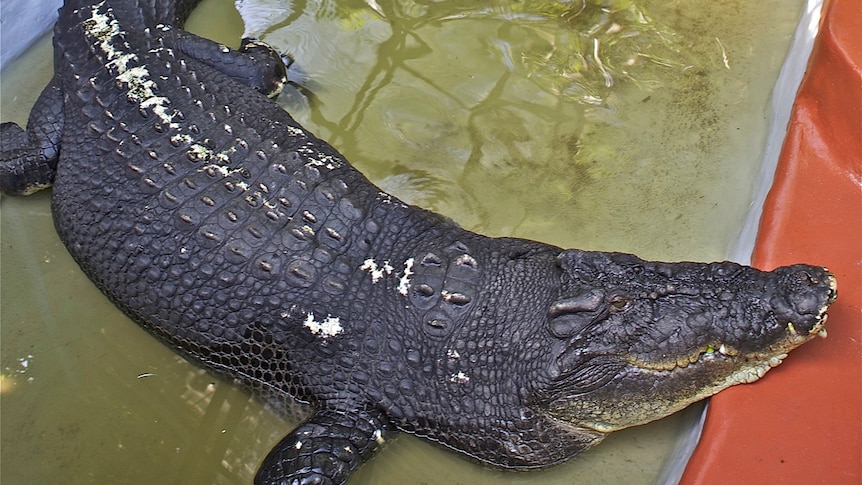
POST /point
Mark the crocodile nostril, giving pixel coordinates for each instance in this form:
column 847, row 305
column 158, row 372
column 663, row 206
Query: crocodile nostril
column 807, row 304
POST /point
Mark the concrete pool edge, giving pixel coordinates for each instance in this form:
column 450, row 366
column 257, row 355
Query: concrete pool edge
column 32, row 20
column 808, row 410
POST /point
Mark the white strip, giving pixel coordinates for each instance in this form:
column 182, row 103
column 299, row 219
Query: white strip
column 404, row 282
column 377, row 272
column 329, row 327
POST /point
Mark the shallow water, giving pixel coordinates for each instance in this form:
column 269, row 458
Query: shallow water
column 499, row 117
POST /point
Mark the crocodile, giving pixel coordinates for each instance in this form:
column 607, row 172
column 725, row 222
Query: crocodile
column 215, row 221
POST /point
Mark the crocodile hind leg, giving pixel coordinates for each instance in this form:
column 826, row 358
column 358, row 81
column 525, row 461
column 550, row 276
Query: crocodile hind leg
column 325, row 449
column 28, row 158
column 255, row 64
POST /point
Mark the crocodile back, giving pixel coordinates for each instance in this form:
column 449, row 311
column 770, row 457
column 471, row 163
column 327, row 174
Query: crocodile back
column 203, row 209
column 206, row 213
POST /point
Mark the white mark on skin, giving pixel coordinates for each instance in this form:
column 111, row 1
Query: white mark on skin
column 253, row 198
column 377, row 272
column 121, row 62
column 181, row 138
column 453, row 354
column 329, row 327
column 201, row 152
column 222, row 159
column 105, row 29
column 378, row 437
column 292, row 130
column 318, row 163
column 169, row 51
column 388, row 199
column 322, row 160
column 404, row 282
column 460, row 378
column 298, row 445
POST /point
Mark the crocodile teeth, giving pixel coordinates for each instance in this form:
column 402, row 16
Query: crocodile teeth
column 819, row 328
column 727, row 350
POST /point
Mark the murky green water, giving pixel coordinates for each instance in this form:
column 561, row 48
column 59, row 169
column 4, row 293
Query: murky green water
column 497, row 114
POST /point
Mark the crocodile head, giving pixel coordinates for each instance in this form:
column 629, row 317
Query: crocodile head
column 640, row 340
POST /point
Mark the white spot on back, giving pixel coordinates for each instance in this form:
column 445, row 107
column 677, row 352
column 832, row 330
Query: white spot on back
column 323, row 160
column 181, row 138
column 404, row 282
column 460, row 378
column 329, row 327
column 105, row 29
column 377, row 272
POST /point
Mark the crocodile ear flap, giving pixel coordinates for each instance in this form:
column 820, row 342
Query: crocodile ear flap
column 577, row 375
column 573, row 313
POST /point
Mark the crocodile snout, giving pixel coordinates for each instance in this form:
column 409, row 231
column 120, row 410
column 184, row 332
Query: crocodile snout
column 804, row 297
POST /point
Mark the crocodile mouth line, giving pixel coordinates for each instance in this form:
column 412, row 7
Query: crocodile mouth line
column 723, row 350
column 700, row 355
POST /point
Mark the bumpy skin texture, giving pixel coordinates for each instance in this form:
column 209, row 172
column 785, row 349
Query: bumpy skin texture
column 219, row 224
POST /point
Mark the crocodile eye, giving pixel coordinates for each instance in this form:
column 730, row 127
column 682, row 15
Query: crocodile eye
column 620, row 303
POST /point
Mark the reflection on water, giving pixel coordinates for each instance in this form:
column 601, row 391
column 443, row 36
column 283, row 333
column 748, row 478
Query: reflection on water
column 604, row 125
column 623, row 125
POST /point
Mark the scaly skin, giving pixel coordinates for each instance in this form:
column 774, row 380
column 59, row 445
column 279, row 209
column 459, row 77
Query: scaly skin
column 219, row 224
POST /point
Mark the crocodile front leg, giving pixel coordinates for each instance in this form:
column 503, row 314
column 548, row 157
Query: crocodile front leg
column 255, row 64
column 325, row 449
column 28, row 159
